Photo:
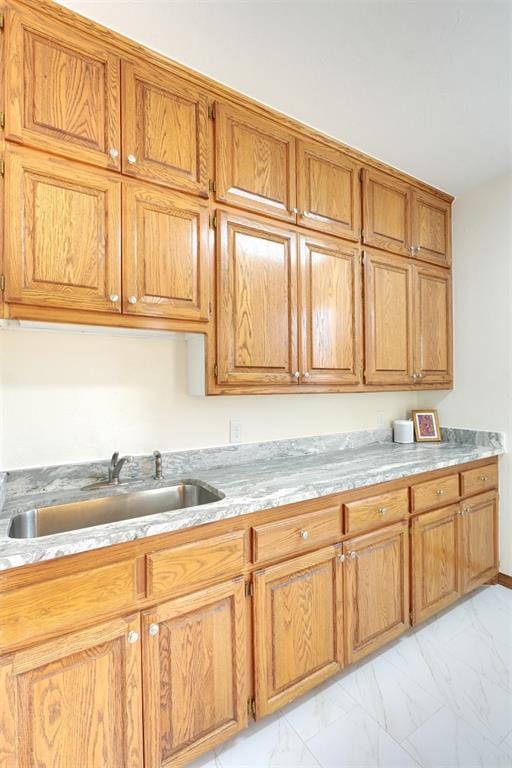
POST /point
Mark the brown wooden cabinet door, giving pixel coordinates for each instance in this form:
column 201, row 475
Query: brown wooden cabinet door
column 74, row 701
column 298, row 626
column 435, row 561
column 254, row 163
column 388, row 299
column 194, row 661
column 328, row 190
column 431, row 228
column 330, row 290
column 386, row 212
column 64, row 90
column 376, row 589
column 432, row 325
column 257, row 302
column 165, row 254
column 62, row 233
column 479, row 540
column 165, row 128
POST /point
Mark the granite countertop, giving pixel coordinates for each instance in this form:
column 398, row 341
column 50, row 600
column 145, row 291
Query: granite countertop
column 252, row 477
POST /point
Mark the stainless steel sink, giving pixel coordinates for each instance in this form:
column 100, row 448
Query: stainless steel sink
column 110, row 509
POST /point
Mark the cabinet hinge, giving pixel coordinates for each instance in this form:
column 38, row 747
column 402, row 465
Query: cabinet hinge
column 361, row 171
column 251, row 706
column 2, row 20
column 215, row 370
column 249, row 589
column 211, row 111
column 2, row 119
column 2, row 167
column 213, row 221
column 212, row 186
column 2, row 283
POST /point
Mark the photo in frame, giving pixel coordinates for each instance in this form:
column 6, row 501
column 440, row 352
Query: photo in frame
column 426, row 426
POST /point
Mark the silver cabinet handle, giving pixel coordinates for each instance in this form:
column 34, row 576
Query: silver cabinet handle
column 304, row 534
column 132, row 636
column 113, row 297
column 131, row 159
column 113, row 153
column 440, row 492
column 296, row 375
column 153, row 629
column 132, row 299
column 382, row 510
column 483, row 478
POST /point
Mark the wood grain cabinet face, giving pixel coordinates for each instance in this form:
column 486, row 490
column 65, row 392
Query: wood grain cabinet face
column 432, row 325
column 165, row 254
column 436, row 561
column 257, row 302
column 64, row 90
column 165, row 129
column 298, row 624
column 431, row 228
column 330, row 289
column 386, row 212
column 254, row 162
column 195, row 689
column 479, row 540
column 74, row 701
column 388, row 319
column 376, row 589
column 62, row 233
column 328, row 186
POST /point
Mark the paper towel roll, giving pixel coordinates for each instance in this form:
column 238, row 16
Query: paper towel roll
column 403, row 431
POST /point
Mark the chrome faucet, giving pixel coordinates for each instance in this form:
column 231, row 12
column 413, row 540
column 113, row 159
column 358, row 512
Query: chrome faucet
column 158, row 465
column 116, row 465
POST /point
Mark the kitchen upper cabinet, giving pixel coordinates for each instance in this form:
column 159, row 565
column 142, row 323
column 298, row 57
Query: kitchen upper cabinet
column 328, row 190
column 257, row 302
column 165, row 254
column 62, row 233
column 376, row 589
column 63, row 90
column 388, row 288
column 435, row 561
column 165, row 128
column 74, row 701
column 431, row 228
column 479, row 540
column 194, row 661
column 254, row 163
column 330, row 301
column 432, row 325
column 298, row 625
column 386, row 212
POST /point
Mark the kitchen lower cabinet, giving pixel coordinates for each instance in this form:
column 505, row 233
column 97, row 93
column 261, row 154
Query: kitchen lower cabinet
column 195, row 675
column 298, row 627
column 435, row 561
column 74, row 701
column 479, row 540
column 376, row 589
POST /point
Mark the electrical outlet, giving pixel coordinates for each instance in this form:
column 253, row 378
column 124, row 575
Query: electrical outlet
column 235, row 431
column 380, row 418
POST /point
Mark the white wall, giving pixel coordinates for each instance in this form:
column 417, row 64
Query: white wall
column 69, row 396
column 482, row 267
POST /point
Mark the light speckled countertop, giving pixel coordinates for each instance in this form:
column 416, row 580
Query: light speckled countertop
column 252, row 477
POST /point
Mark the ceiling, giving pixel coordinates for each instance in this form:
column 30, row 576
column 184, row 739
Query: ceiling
column 424, row 85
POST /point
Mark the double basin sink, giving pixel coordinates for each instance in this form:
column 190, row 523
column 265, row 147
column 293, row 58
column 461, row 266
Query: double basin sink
column 109, row 509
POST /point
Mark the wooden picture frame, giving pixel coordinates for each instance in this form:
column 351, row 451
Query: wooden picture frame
column 426, row 426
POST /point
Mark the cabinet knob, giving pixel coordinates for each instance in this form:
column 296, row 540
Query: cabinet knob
column 132, row 636
column 352, row 555
column 414, row 377
column 419, row 375
column 296, row 375
column 114, row 297
column 113, row 153
column 306, row 374
column 154, row 629
column 382, row 510
column 439, row 492
column 294, row 210
column 483, row 478
column 132, row 299
column 341, row 558
column 131, row 159
column 464, row 510
column 304, row 534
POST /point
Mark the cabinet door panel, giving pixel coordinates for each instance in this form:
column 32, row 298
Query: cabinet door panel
column 257, row 302
column 376, row 589
column 431, row 228
column 165, row 128
column 195, row 690
column 435, row 561
column 330, row 288
column 298, row 627
column 74, row 701
column 388, row 319
column 329, row 196
column 386, row 207
column 480, row 540
column 255, row 163
column 165, row 254
column 63, row 90
column 433, row 325
column 62, row 234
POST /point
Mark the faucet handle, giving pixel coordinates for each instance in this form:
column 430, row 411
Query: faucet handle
column 158, row 465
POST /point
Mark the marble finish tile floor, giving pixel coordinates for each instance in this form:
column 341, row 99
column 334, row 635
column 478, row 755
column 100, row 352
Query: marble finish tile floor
column 440, row 697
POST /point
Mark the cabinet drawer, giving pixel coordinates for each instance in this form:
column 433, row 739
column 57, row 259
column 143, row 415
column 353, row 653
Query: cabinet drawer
column 61, row 605
column 297, row 534
column 183, row 568
column 377, row 510
column 435, row 493
column 481, row 479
